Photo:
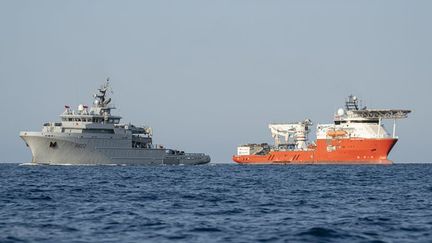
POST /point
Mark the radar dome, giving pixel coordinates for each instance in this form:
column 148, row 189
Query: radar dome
column 81, row 107
column 340, row 112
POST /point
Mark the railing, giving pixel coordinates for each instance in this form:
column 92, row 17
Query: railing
column 381, row 114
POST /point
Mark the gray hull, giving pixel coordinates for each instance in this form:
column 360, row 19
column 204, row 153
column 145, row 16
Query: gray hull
column 101, row 150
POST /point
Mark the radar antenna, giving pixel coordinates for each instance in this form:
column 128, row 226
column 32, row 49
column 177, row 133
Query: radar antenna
column 101, row 98
column 352, row 103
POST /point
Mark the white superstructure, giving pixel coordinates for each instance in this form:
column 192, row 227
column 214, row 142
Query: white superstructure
column 95, row 136
column 354, row 121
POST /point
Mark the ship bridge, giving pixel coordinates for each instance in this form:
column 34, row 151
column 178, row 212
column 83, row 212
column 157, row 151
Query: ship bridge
column 355, row 113
column 100, row 112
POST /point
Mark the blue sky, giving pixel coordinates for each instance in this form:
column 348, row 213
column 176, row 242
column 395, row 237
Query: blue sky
column 209, row 75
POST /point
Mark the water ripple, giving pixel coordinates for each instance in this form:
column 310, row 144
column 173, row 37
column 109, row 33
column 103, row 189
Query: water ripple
column 216, row 203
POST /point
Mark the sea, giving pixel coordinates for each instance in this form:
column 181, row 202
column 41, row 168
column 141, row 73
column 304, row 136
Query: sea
column 216, row 203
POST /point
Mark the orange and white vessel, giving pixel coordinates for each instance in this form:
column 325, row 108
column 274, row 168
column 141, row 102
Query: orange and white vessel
column 357, row 136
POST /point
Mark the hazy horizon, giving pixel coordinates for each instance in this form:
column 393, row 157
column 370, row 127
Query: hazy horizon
column 210, row 75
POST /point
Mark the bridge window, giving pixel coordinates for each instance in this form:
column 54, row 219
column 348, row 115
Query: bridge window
column 366, row 121
column 108, row 131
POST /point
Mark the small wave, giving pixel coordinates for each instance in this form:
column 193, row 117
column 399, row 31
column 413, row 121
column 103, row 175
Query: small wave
column 40, row 198
column 177, row 237
column 11, row 239
column 29, row 164
column 319, row 232
column 205, row 229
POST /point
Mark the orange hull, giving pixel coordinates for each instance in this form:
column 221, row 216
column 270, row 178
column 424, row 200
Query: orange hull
column 331, row 151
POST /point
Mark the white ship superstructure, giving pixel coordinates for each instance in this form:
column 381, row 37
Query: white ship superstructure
column 95, row 136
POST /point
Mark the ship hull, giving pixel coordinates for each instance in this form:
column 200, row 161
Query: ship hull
column 329, row 151
column 66, row 150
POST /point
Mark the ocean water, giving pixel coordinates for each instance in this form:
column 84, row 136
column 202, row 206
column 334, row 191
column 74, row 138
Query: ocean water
column 216, row 203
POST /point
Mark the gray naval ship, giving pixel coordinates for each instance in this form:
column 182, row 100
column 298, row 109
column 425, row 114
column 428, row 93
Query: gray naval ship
column 94, row 136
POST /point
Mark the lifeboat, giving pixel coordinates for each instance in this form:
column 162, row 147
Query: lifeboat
column 336, row 133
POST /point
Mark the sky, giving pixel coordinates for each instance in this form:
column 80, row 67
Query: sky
column 208, row 76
